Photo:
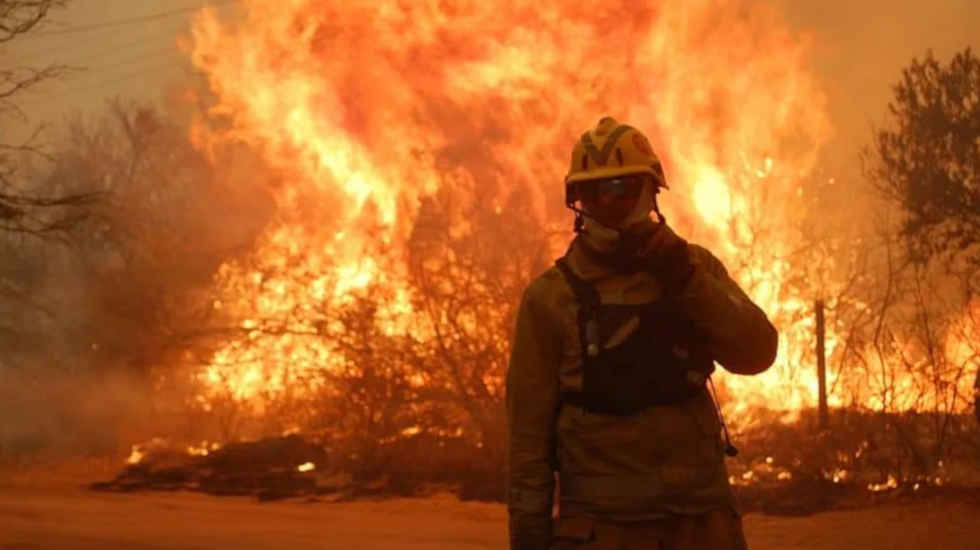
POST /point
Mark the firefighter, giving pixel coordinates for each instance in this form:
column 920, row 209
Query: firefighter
column 608, row 382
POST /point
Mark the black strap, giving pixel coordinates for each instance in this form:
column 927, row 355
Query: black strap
column 585, row 293
column 588, row 305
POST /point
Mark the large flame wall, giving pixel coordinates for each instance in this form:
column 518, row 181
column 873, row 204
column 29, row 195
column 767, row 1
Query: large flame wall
column 365, row 107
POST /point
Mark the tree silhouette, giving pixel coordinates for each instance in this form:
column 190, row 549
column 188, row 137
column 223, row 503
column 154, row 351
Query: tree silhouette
column 929, row 160
column 23, row 209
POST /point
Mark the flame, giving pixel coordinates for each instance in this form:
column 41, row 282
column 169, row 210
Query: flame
column 890, row 483
column 364, row 108
column 139, row 452
column 136, row 456
column 204, row 449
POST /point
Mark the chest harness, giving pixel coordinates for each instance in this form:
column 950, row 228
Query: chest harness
column 661, row 361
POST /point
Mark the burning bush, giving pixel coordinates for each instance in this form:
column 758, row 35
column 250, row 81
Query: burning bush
column 380, row 378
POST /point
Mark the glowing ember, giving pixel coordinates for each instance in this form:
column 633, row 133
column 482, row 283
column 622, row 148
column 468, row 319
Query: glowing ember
column 306, row 467
column 136, row 456
column 204, row 449
column 838, row 475
column 891, row 483
column 140, row 451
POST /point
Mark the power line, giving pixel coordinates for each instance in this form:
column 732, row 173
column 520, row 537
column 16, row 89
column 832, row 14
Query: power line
column 60, row 48
column 81, row 90
column 128, row 20
column 55, row 95
column 108, row 69
column 114, row 56
column 160, row 66
column 142, row 56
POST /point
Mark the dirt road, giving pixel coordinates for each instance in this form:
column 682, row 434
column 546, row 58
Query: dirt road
column 70, row 518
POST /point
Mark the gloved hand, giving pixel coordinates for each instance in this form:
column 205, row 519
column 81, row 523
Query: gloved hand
column 634, row 240
column 660, row 251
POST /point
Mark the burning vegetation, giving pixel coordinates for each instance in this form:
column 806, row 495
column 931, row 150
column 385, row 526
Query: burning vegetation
column 330, row 264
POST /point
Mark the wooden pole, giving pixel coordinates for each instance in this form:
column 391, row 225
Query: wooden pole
column 823, row 418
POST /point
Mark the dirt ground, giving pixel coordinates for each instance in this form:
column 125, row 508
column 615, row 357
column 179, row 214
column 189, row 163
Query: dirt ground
column 61, row 515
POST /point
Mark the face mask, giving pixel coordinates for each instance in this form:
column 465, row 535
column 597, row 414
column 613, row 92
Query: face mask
column 604, row 238
column 644, row 205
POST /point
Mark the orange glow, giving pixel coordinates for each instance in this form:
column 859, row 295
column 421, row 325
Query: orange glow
column 365, row 107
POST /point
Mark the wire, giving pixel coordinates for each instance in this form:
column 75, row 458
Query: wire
column 55, row 95
column 166, row 66
column 730, row 449
column 113, row 61
column 129, row 20
column 115, row 48
column 169, row 53
column 142, row 56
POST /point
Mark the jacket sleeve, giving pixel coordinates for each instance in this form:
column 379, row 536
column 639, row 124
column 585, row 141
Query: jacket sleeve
column 739, row 334
column 532, row 408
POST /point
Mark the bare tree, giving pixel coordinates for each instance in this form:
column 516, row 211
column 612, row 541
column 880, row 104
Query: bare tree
column 24, row 208
column 150, row 246
column 467, row 284
column 928, row 163
column 18, row 17
column 427, row 392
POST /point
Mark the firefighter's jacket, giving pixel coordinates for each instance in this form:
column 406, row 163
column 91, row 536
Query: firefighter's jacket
column 663, row 460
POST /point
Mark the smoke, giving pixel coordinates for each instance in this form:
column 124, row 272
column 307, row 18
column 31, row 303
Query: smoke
column 85, row 321
column 858, row 50
column 48, row 411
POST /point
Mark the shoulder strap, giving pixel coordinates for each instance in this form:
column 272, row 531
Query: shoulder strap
column 588, row 308
column 585, row 293
column 588, row 305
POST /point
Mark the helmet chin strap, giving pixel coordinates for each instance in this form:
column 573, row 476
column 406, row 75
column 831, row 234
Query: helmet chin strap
column 580, row 216
column 656, row 206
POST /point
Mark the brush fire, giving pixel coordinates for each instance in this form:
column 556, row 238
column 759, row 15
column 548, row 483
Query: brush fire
column 416, row 156
column 413, row 157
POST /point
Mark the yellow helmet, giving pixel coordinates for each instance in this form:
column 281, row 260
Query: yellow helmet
column 613, row 149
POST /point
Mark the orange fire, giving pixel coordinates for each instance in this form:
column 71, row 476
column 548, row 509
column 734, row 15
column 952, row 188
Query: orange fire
column 366, row 107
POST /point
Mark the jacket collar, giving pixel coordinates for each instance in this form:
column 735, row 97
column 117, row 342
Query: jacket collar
column 615, row 286
column 590, row 264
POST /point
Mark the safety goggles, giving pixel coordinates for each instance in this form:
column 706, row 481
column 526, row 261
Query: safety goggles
column 618, row 188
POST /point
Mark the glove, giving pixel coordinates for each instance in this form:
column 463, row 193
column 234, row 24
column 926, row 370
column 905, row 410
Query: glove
column 660, row 251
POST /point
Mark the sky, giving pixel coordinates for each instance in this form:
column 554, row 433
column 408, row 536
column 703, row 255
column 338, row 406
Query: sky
column 860, row 47
column 124, row 48
column 858, row 51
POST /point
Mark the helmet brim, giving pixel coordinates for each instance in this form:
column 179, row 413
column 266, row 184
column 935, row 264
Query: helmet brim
column 611, row 172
